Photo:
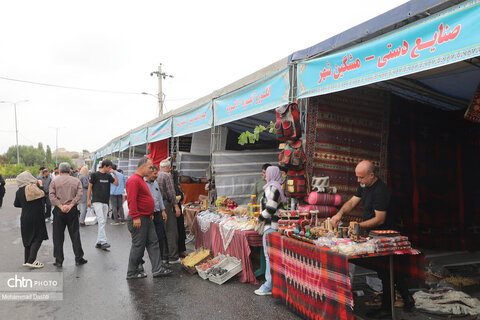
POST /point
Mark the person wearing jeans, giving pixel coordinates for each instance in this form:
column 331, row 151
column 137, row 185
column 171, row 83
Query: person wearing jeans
column 116, row 198
column 270, row 203
column 98, row 197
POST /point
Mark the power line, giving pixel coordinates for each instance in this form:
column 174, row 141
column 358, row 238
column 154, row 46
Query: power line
column 67, row 87
column 83, row 89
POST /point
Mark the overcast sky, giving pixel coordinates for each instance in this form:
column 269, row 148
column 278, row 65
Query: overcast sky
column 114, row 45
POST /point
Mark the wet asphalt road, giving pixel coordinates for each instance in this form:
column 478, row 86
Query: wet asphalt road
column 98, row 289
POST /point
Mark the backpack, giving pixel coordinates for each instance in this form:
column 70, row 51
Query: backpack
column 293, row 157
column 295, row 184
column 287, row 125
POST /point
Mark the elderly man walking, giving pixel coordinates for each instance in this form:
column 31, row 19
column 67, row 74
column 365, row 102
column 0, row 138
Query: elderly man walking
column 140, row 224
column 65, row 194
column 170, row 200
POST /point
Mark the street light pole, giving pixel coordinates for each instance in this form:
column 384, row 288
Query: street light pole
column 16, row 127
column 16, row 133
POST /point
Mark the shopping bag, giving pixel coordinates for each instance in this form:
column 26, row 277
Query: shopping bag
column 90, row 218
column 125, row 208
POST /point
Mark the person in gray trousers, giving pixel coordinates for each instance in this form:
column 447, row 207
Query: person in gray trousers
column 83, row 176
column 140, row 224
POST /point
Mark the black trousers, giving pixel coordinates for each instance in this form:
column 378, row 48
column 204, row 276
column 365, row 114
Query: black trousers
column 383, row 271
column 69, row 220
column 2, row 194
column 181, row 233
column 48, row 207
column 31, row 251
column 161, row 235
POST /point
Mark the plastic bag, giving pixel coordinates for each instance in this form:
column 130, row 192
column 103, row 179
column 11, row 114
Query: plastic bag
column 90, row 218
column 125, row 208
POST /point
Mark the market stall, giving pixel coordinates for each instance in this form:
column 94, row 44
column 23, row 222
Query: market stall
column 314, row 281
column 224, row 235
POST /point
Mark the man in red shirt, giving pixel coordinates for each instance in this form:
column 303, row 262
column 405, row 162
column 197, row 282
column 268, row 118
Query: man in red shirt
column 140, row 224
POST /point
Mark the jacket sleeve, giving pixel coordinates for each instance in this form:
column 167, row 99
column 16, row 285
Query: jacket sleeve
column 132, row 193
column 17, row 203
column 271, row 204
column 79, row 193
column 52, row 195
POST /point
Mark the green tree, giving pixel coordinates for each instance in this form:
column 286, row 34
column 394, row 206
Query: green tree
column 48, row 155
column 31, row 156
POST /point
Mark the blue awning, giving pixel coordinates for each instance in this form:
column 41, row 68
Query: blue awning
column 139, row 137
column 388, row 21
column 160, row 131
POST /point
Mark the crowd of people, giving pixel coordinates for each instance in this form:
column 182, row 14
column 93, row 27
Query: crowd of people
column 155, row 219
column 64, row 196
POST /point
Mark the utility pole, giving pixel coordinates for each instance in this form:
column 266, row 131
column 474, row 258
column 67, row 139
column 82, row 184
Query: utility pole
column 16, row 133
column 56, row 144
column 16, row 128
column 56, row 147
column 161, row 75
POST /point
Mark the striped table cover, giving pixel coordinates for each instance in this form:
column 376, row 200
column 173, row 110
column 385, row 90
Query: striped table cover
column 239, row 247
column 313, row 281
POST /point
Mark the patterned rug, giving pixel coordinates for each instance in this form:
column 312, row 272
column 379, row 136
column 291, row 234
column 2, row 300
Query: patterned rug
column 343, row 129
column 473, row 110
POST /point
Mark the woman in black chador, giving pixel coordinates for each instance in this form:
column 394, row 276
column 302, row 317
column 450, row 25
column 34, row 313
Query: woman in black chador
column 30, row 197
column 2, row 189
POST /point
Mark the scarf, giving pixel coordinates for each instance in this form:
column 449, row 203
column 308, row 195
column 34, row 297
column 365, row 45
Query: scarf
column 32, row 191
column 274, row 178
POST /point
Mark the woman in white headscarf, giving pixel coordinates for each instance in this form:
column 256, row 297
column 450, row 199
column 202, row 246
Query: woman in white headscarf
column 29, row 197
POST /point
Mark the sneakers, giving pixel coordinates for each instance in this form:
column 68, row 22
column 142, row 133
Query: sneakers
column 260, row 292
column 36, row 264
column 137, row 275
column 81, row 261
column 57, row 264
column 175, row 261
column 164, row 272
column 115, row 223
column 102, row 246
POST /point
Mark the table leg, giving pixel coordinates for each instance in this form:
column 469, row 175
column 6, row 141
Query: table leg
column 392, row 289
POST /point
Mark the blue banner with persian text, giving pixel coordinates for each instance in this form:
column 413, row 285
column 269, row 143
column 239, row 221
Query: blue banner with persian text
column 447, row 37
column 115, row 146
column 124, row 143
column 256, row 98
column 138, row 138
column 160, row 131
column 197, row 120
